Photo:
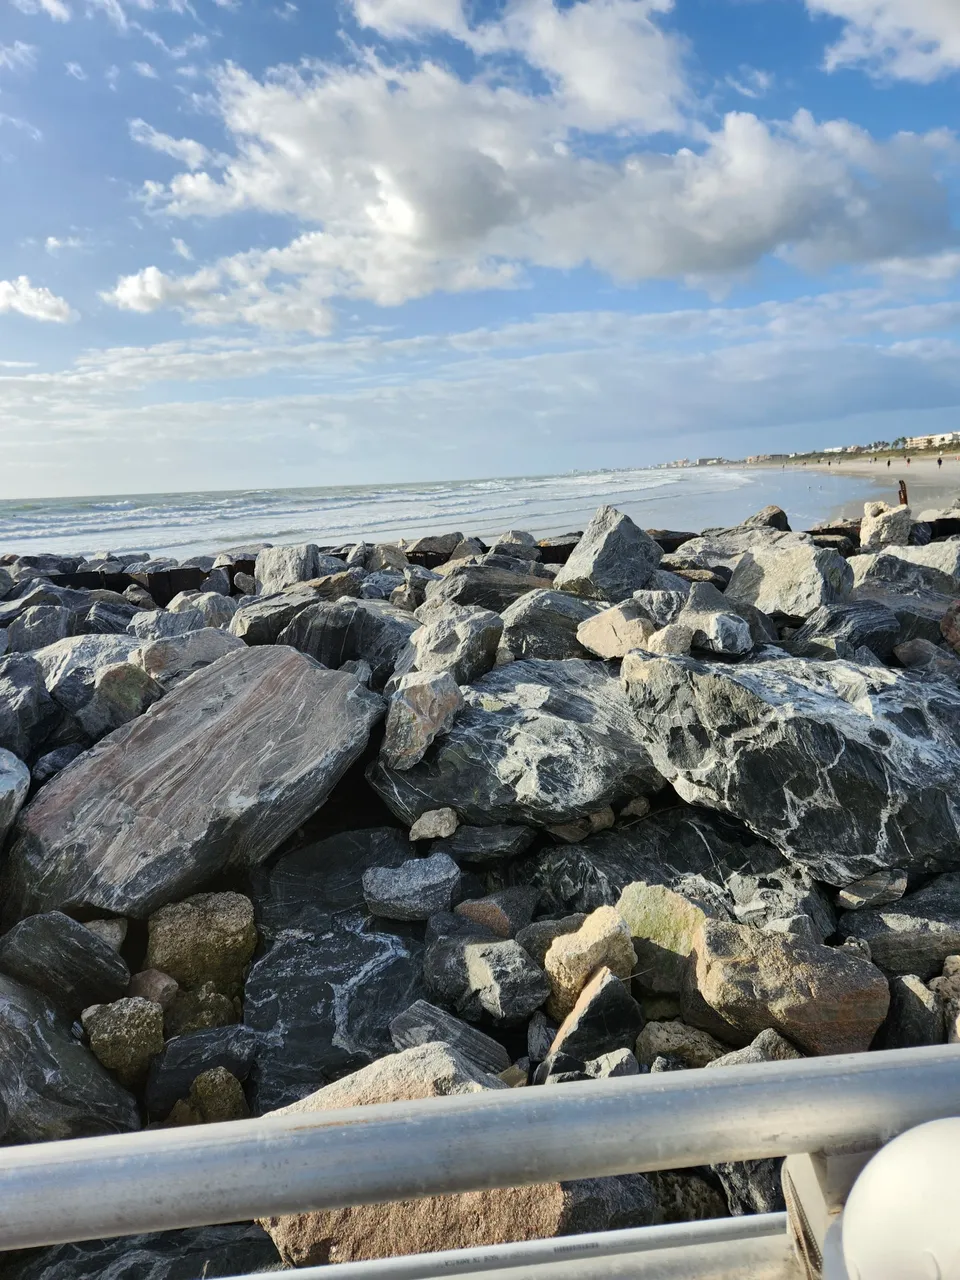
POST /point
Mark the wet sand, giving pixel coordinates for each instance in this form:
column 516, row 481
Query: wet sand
column 928, row 486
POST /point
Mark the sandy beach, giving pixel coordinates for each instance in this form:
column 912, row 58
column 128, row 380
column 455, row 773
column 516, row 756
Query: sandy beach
column 928, row 486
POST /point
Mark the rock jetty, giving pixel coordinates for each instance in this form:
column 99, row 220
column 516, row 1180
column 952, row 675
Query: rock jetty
column 307, row 827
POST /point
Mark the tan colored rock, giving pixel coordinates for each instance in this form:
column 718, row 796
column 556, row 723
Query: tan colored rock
column 677, row 1040
column 210, row 937
column 384, row 556
column 580, row 828
column 947, row 988
column 823, row 999
column 151, row 984
column 436, row 824
column 444, row 1222
column 676, row 637
column 602, row 939
column 218, row 1096
column 424, row 706
column 125, row 1035
column 663, row 925
column 616, row 631
column 200, row 1010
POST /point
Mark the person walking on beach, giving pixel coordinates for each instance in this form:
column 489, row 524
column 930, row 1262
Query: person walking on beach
column 888, row 462
column 939, row 463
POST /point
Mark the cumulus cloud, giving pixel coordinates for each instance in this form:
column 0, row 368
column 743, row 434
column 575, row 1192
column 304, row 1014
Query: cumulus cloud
column 410, row 17
column 908, row 39
column 186, row 150
column 35, row 302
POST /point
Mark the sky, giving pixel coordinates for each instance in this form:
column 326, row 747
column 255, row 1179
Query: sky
column 255, row 243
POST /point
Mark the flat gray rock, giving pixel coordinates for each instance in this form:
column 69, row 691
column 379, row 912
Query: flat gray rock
column 51, row 1086
column 496, row 980
column 558, row 741
column 160, row 624
column 483, row 585
column 415, row 890
column 461, row 642
column 846, row 769
column 838, row 630
column 485, row 844
column 216, row 775
column 260, row 619
column 424, row 1023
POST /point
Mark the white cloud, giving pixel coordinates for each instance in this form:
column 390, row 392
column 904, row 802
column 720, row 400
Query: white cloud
column 55, row 9
column 408, row 180
column 17, row 122
column 181, row 248
column 908, row 39
column 934, row 268
column 53, row 244
column 186, row 150
column 410, row 17
column 751, row 82
column 17, row 56
column 35, row 302
column 145, row 70
column 74, row 69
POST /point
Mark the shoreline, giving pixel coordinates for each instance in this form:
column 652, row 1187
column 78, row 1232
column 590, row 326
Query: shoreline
column 928, row 486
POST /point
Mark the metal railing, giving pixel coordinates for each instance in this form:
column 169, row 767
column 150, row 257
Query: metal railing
column 158, row 1180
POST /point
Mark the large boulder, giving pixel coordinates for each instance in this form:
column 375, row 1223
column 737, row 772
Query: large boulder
column 839, row 630
column 169, row 660
column 707, row 857
column 28, row 715
column 39, row 626
column 323, row 1004
column 65, row 961
column 51, row 1086
column 543, row 624
column 214, row 776
column 723, row 549
column 210, row 1252
column 260, row 619
column 613, row 559
column 461, row 641
column 914, row 935
column 14, row 785
column 470, row 1219
column 348, row 630
column 823, row 999
column 790, row 582
column 846, row 769
column 557, row 739
column 279, row 567
column 884, row 526
column 486, row 586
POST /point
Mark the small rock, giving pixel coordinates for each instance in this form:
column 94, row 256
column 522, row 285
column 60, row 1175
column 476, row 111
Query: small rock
column 112, row 931
column 199, row 1010
column 767, row 1047
column 54, row 762
column 676, row 1040
column 486, row 844
column 424, row 706
column 245, row 584
column 541, row 1033
column 413, row 891
column 503, row 913
column 877, row 890
column 497, row 979
column 611, row 1066
column 604, row 1018
column 216, row 607
column 616, row 631
column 124, row 1036
column 560, row 1068
column 217, row 1096
column 423, row 1023
column 151, row 984
column 188, row 1056
column 210, row 937
column 916, row 934
column 537, row 938
column 580, row 828
column 603, row 939
column 435, row 824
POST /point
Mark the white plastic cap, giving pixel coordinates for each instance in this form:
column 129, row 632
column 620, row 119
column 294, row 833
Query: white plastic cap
column 902, row 1218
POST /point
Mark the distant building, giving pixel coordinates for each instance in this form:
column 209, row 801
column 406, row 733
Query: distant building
column 945, row 440
column 835, row 448
column 768, row 457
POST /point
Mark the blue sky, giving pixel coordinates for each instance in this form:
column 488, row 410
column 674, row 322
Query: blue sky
column 255, row 242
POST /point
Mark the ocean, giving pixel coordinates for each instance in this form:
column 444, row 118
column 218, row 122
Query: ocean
column 192, row 523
